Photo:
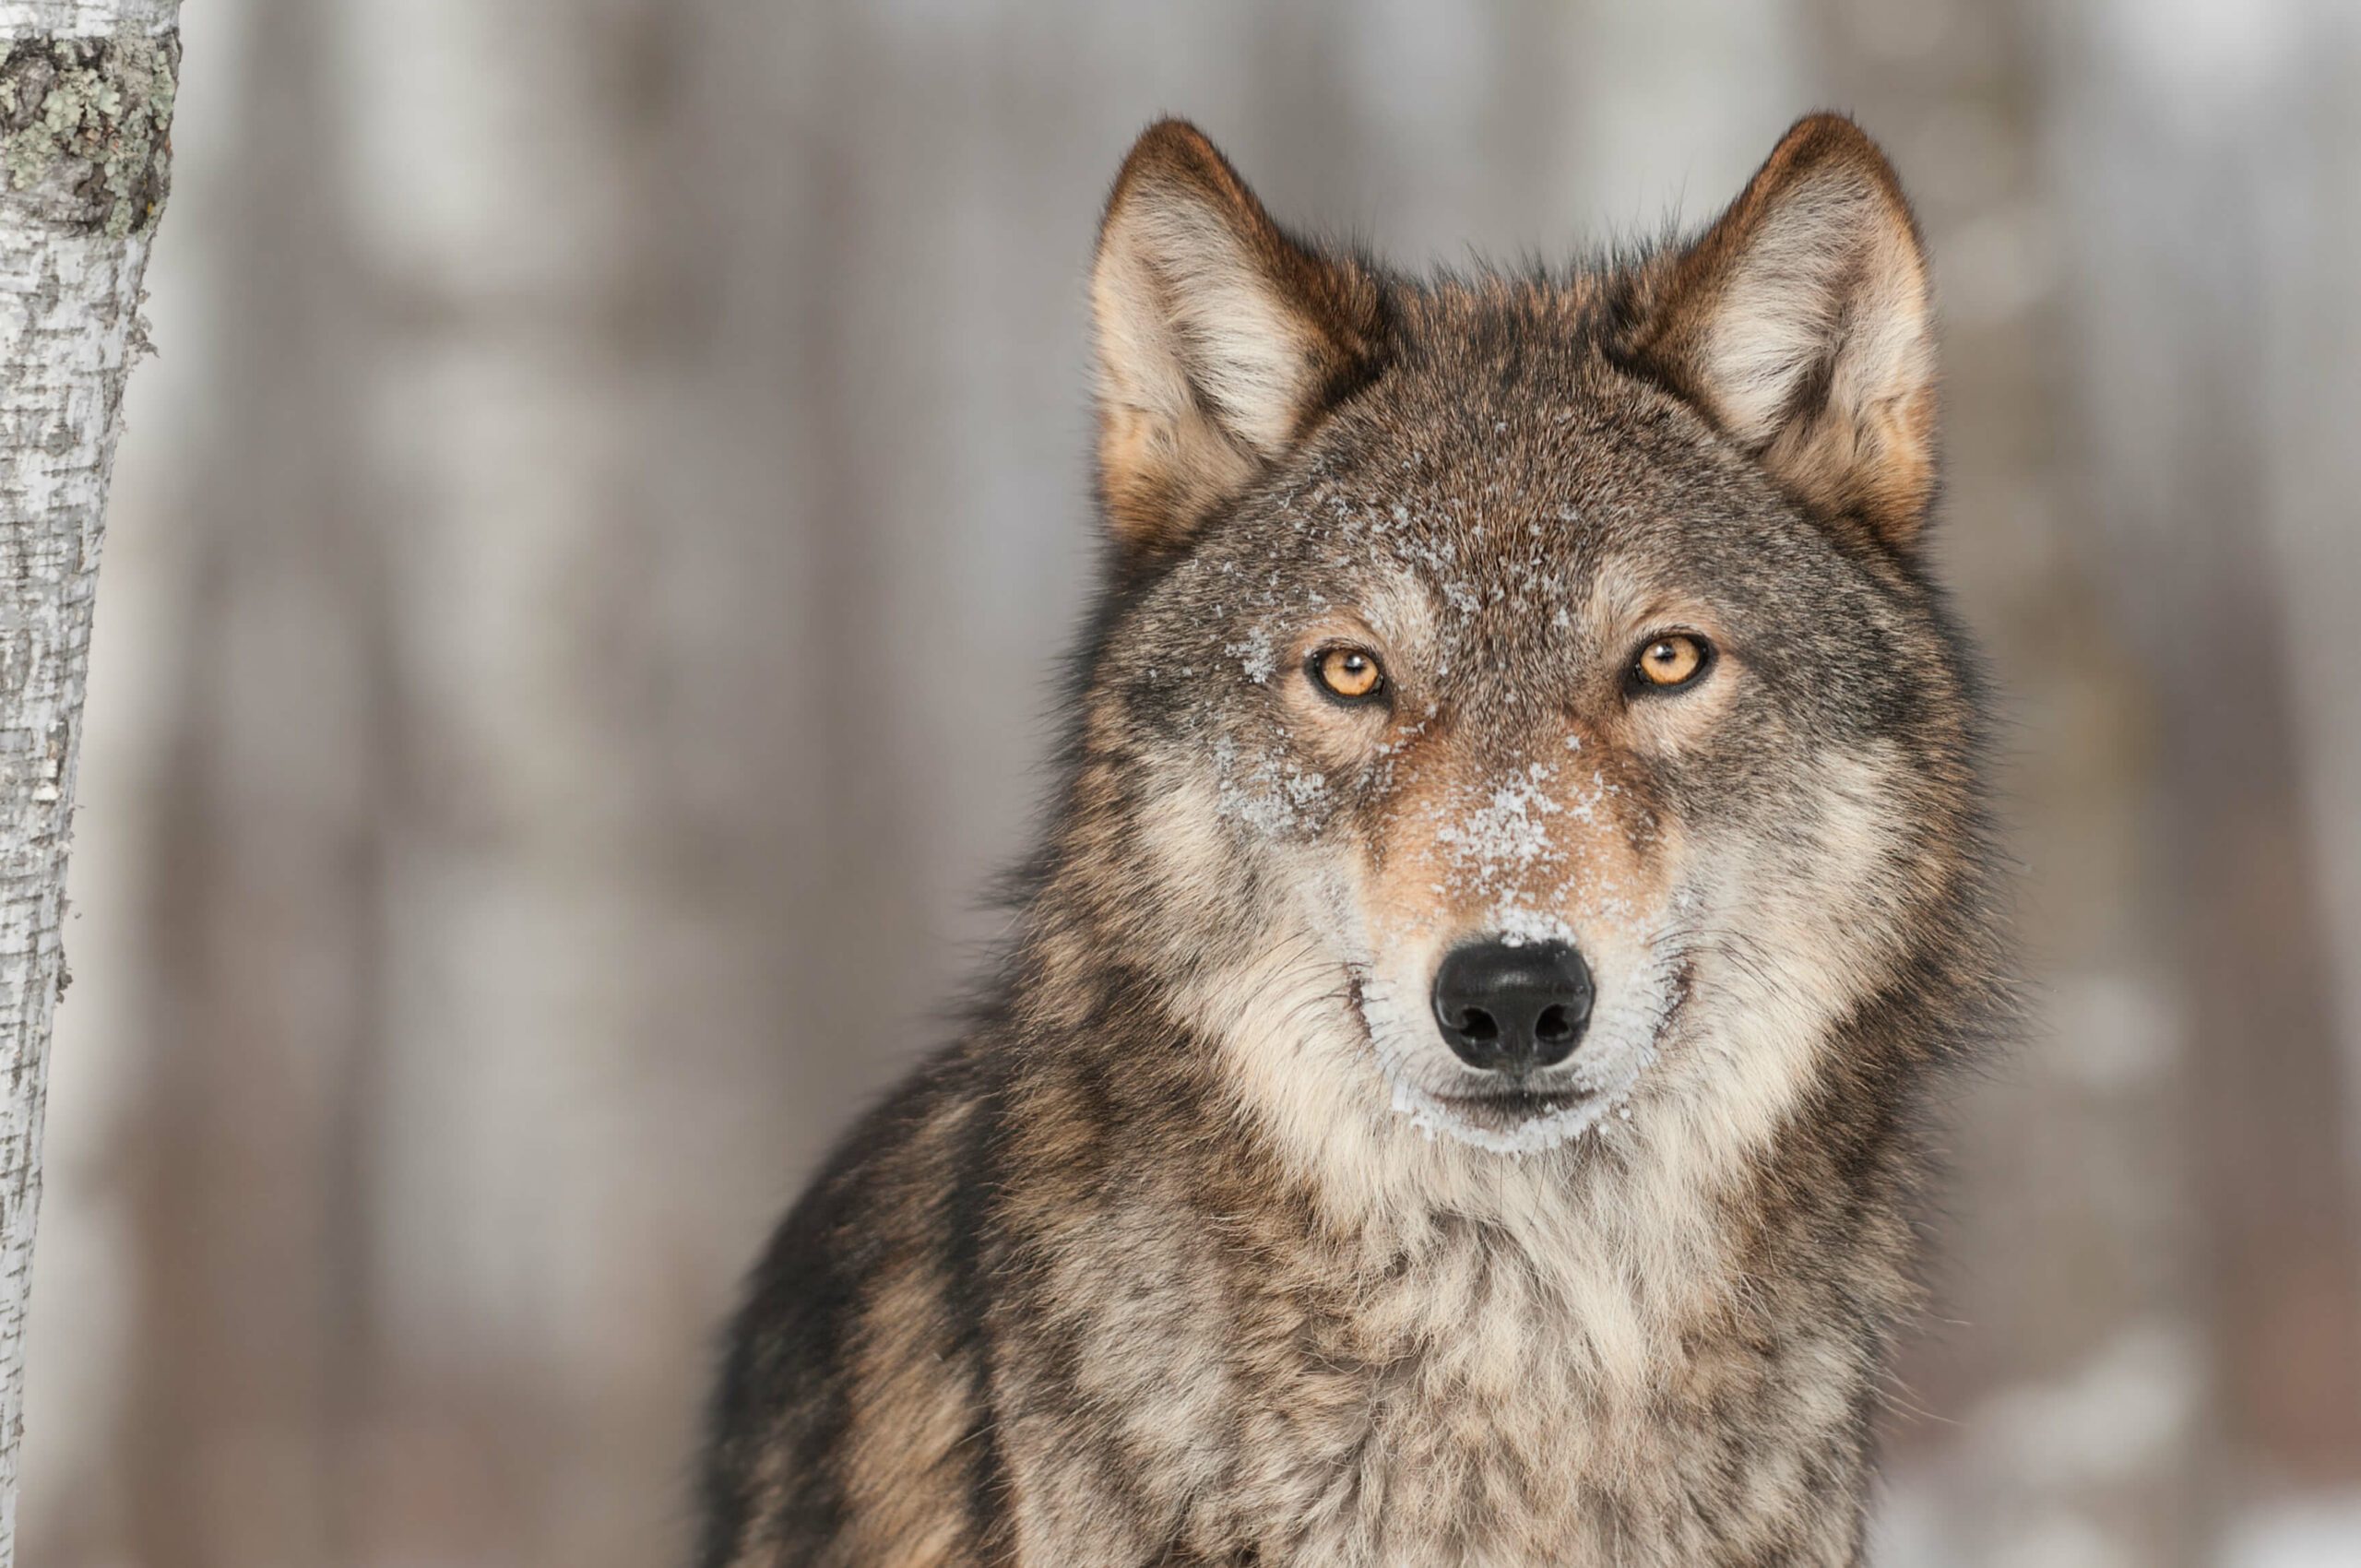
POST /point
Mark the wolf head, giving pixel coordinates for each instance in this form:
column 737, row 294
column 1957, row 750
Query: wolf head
column 1523, row 706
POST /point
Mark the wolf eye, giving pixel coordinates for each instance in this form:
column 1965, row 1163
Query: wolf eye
column 1674, row 660
column 1349, row 674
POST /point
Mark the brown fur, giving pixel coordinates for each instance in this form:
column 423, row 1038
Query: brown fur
column 1199, row 1248
column 1170, row 442
column 1844, row 436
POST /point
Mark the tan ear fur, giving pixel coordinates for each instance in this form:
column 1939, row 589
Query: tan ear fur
column 1219, row 337
column 1803, row 323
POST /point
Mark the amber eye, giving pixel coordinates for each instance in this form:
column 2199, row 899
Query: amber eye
column 1348, row 674
column 1671, row 660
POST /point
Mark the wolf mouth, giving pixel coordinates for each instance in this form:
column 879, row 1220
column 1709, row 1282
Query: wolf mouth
column 1503, row 1110
column 1507, row 1110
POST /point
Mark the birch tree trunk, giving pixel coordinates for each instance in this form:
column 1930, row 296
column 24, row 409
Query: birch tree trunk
column 86, row 103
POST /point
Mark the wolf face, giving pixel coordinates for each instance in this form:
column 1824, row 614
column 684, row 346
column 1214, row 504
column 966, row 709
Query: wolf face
column 1527, row 694
column 1452, row 1095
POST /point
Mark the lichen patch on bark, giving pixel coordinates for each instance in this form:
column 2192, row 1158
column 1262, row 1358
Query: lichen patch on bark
column 85, row 127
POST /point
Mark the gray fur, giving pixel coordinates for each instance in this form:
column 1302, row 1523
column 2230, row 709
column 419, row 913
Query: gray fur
column 1190, row 1252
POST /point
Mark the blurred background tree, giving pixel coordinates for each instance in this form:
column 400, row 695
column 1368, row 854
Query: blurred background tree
column 588, row 579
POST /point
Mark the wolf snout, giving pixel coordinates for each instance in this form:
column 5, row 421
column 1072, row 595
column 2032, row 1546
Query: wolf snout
column 1513, row 1008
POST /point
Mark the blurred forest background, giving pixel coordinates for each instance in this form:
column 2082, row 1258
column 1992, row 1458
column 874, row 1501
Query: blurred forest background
column 585, row 575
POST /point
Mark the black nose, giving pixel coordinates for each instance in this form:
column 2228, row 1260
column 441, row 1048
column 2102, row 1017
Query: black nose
column 1513, row 1009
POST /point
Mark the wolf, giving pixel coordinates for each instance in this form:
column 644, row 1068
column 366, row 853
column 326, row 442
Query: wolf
column 1456, row 1093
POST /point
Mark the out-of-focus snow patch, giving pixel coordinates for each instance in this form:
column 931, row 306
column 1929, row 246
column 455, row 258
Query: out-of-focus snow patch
column 2049, row 1474
column 2316, row 1531
column 2106, row 1419
column 1915, row 1527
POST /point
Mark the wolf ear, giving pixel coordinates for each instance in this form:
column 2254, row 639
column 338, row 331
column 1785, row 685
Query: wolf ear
column 1220, row 338
column 1802, row 324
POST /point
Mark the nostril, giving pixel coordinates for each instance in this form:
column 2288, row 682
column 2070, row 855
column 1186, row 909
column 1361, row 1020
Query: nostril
column 1555, row 1027
column 1479, row 1026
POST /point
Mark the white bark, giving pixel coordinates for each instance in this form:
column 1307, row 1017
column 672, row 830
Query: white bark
column 85, row 18
column 86, row 89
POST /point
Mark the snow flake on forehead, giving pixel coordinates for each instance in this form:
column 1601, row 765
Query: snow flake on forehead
column 1494, row 545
